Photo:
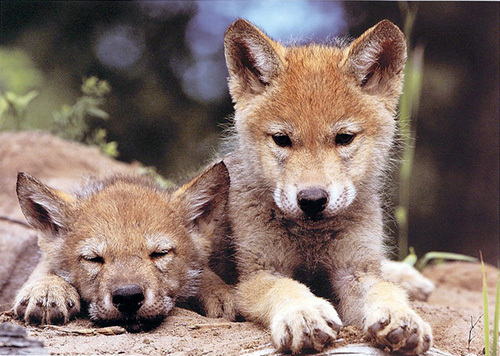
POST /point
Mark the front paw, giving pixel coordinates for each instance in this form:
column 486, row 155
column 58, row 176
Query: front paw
column 310, row 323
column 220, row 302
column 48, row 301
column 400, row 329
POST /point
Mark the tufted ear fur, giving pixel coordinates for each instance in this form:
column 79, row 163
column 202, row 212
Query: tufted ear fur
column 205, row 196
column 377, row 59
column 253, row 59
column 45, row 209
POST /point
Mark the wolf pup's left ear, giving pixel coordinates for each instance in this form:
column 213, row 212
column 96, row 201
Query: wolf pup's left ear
column 253, row 59
column 377, row 59
column 45, row 209
column 205, row 196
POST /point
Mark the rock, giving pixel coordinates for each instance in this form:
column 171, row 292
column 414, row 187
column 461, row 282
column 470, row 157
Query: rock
column 14, row 341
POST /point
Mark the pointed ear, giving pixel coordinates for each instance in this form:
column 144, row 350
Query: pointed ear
column 45, row 209
column 252, row 58
column 376, row 60
column 206, row 195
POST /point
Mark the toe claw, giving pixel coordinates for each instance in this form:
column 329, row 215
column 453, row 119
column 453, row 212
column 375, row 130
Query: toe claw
column 322, row 337
column 396, row 336
column 427, row 342
column 56, row 316
column 335, row 326
column 412, row 342
column 375, row 328
column 35, row 317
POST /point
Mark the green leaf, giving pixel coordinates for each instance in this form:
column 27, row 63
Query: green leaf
column 401, row 215
column 408, row 108
column 4, row 108
column 99, row 113
column 4, row 105
column 18, row 72
column 110, row 149
column 13, row 107
column 411, row 259
column 94, row 87
column 23, row 100
column 151, row 171
column 434, row 255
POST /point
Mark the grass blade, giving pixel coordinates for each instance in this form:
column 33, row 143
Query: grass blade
column 485, row 310
column 494, row 347
column 435, row 255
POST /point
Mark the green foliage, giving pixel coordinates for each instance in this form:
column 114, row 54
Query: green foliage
column 13, row 108
column 162, row 182
column 99, row 139
column 71, row 121
column 407, row 119
column 18, row 73
column 435, row 256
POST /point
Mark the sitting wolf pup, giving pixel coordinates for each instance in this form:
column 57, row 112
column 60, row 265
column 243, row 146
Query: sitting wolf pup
column 123, row 246
column 314, row 127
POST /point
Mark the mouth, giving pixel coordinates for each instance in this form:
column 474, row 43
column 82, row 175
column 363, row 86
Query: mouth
column 314, row 218
column 318, row 221
column 315, row 222
column 133, row 323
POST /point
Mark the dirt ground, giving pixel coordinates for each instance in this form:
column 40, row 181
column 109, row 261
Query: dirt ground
column 456, row 301
column 450, row 309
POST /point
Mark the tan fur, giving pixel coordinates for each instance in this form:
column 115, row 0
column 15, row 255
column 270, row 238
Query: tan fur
column 125, row 247
column 58, row 163
column 313, row 97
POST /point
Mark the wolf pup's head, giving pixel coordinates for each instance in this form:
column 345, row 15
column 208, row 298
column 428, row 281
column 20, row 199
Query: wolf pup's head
column 130, row 248
column 316, row 121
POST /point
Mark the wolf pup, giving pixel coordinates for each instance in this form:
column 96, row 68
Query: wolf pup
column 314, row 127
column 123, row 246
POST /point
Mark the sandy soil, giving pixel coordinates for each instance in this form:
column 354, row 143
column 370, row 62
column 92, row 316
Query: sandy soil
column 449, row 310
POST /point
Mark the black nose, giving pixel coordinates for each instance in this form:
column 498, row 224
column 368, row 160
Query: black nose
column 312, row 201
column 128, row 298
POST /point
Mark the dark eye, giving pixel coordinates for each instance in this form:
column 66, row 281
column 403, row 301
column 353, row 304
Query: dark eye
column 158, row 254
column 282, row 140
column 344, row 139
column 367, row 78
column 95, row 259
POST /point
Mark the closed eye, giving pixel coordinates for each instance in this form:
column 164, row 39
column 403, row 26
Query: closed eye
column 94, row 259
column 159, row 254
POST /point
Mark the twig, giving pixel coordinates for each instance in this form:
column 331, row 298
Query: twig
column 472, row 326
column 210, row 325
column 110, row 330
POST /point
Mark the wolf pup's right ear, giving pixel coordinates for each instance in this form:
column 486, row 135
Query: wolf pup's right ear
column 45, row 209
column 253, row 59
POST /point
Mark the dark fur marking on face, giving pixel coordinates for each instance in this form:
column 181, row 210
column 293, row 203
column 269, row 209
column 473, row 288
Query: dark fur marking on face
column 273, row 215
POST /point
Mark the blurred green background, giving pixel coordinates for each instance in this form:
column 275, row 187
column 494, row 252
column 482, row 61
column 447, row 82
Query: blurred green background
column 169, row 101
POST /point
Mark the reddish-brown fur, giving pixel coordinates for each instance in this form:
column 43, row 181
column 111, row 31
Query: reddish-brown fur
column 316, row 121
